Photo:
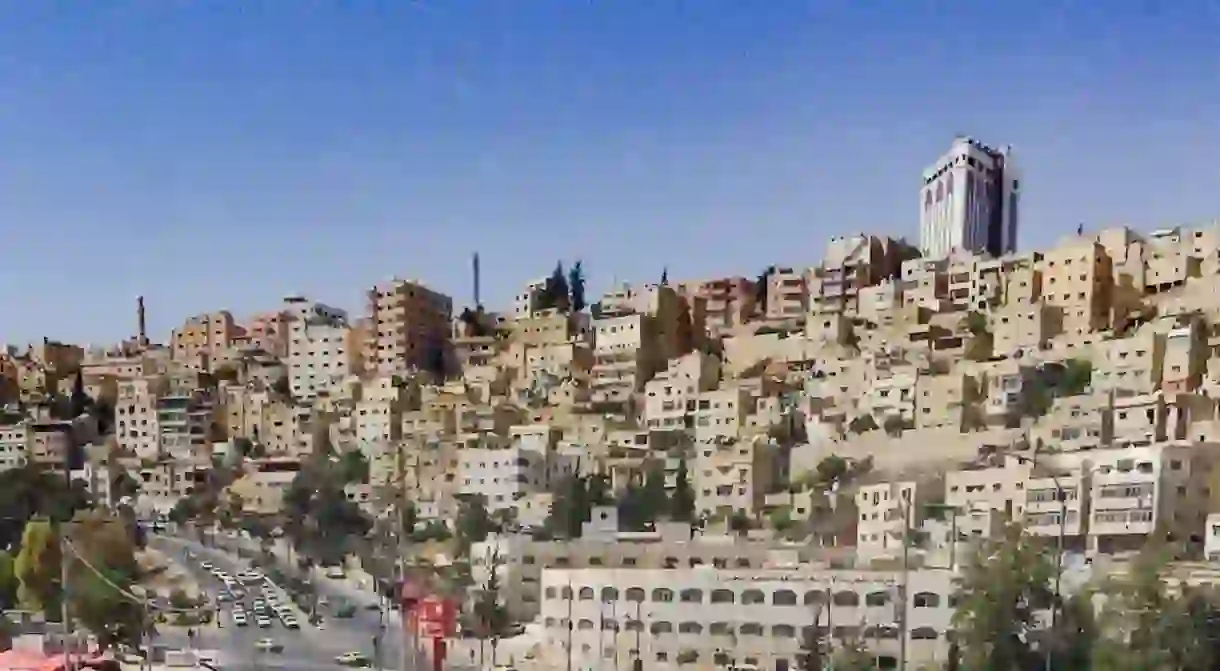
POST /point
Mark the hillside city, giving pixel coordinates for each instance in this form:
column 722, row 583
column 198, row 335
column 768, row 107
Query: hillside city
column 949, row 454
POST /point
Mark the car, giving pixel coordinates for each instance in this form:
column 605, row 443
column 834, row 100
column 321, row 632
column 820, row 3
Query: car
column 207, row 565
column 264, row 622
column 345, row 611
column 353, row 659
column 239, row 619
column 224, row 597
column 335, row 572
column 268, row 645
column 291, row 623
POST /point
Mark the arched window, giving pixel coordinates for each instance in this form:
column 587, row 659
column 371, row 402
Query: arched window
column 661, row 627
column 662, row 595
column 584, row 624
column 752, row 596
column 609, row 594
column 846, row 598
column 783, row 631
column 750, row 629
column 923, row 634
column 720, row 629
column 692, row 595
column 814, row 597
column 784, row 597
column 876, row 599
column 635, row 594
column 722, row 596
column 690, row 628
column 635, row 625
column 586, row 593
column 927, row 600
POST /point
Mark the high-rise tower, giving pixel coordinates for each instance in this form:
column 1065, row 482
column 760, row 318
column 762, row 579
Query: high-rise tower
column 969, row 201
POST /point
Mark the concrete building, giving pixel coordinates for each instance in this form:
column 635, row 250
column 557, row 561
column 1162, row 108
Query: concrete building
column 321, row 349
column 408, row 327
column 970, row 201
column 204, row 336
column 737, row 618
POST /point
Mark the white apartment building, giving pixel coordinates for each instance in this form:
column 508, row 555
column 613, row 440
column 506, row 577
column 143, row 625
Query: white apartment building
column 970, row 201
column 501, row 476
column 319, row 348
column 135, row 416
column 756, row 618
column 14, row 445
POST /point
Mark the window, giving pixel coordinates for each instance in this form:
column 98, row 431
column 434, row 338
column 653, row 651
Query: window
column 784, row 597
column 635, row 594
column 692, row 596
column 586, row 593
column 690, row 628
column 927, row 600
column 609, row 594
column 875, row 599
column 722, row 596
column 846, row 599
column 661, row 627
column 815, row 597
column 662, row 595
column 753, row 596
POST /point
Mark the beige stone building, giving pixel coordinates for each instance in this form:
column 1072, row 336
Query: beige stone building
column 205, row 336
column 408, row 327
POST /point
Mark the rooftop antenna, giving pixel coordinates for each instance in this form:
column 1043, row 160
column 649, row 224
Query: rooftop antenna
column 474, row 267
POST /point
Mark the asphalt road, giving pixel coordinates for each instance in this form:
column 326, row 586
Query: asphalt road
column 307, row 648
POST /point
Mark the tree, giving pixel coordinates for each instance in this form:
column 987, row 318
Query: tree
column 354, row 467
column 830, row 470
column 998, row 594
column 812, row 657
column 1077, row 376
column 740, row 522
column 555, row 291
column 682, row 503
column 473, row 522
column 1142, row 627
column 862, row 424
column 102, row 571
column 656, row 498
column 894, row 425
column 8, row 581
column 576, row 287
column 491, row 613
column 597, row 488
column 570, row 507
column 80, row 400
column 975, row 323
column 38, row 569
column 851, row 655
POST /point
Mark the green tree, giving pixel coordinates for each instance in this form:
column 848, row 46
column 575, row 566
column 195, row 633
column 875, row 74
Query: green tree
column 682, row 503
column 354, row 467
column 576, row 287
column 812, row 656
column 998, row 594
column 8, row 581
column 656, row 498
column 852, row 655
column 570, row 508
column 38, row 569
column 488, row 606
column 597, row 488
column 740, row 521
column 1077, row 376
column 102, row 572
column 555, row 291
column 830, row 470
column 1143, row 627
column 473, row 522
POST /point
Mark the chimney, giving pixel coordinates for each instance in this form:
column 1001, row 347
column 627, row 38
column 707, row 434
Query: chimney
column 141, row 325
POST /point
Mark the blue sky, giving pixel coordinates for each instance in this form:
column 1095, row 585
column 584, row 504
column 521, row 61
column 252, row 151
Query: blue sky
column 222, row 154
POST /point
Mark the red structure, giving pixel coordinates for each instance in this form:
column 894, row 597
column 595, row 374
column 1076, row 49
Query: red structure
column 430, row 618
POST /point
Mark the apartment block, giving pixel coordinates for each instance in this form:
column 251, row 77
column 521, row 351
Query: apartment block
column 204, row 337
column 736, row 618
column 136, row 429
column 408, row 327
column 321, row 351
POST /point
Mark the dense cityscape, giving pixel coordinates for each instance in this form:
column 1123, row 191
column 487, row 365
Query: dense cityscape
column 946, row 455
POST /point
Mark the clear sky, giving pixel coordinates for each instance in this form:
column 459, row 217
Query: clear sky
column 214, row 154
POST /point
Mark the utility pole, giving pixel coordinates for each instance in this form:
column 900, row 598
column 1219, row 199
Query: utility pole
column 906, row 566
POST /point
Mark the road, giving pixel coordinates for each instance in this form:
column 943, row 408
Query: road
column 307, row 648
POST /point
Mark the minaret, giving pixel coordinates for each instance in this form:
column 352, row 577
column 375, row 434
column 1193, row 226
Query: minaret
column 141, row 324
column 475, row 267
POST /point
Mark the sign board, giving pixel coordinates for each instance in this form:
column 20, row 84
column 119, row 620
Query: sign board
column 434, row 617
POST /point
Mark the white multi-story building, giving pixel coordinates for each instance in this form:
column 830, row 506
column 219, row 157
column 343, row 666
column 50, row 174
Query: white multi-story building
column 14, row 445
column 969, row 201
column 501, row 476
column 756, row 618
column 319, row 353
